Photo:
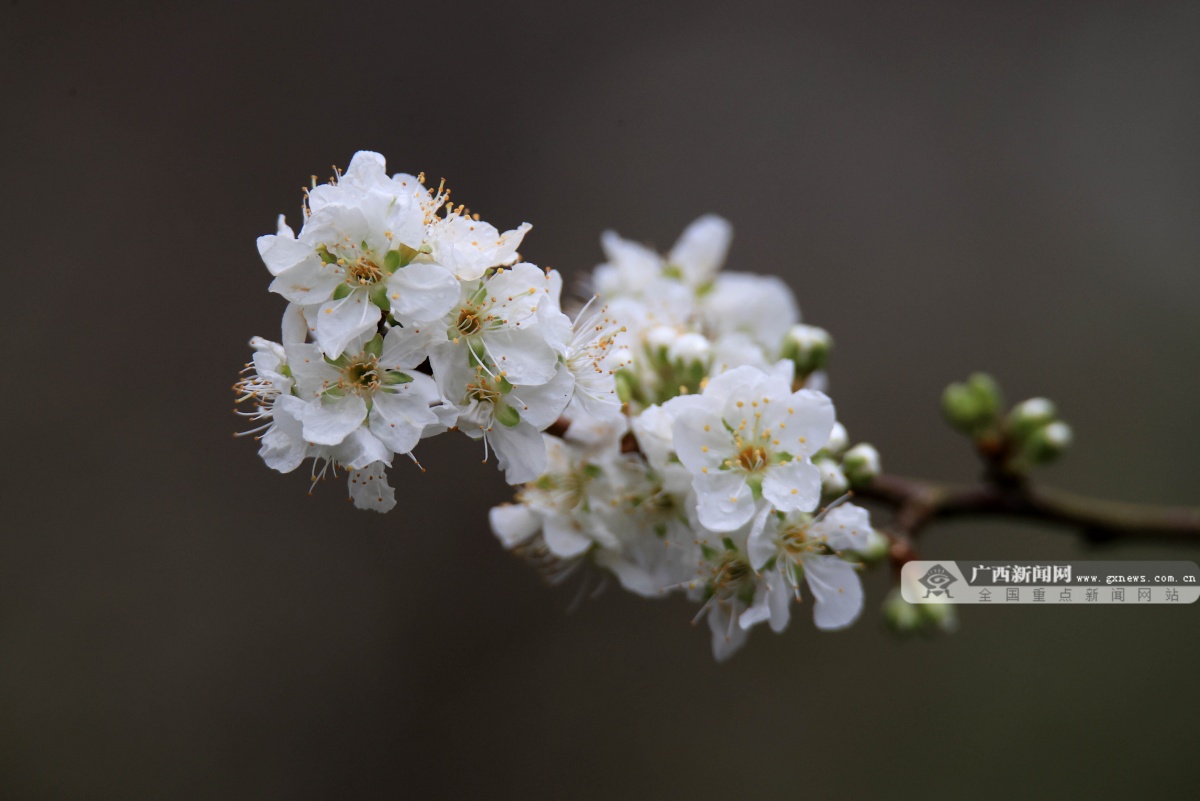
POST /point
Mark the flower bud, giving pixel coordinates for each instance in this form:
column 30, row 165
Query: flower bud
column 1047, row 443
column 833, row 480
column 899, row 615
column 1030, row 415
column 876, row 548
column 861, row 464
column 971, row 407
column 839, row 440
column 940, row 616
column 689, row 349
column 660, row 338
column 807, row 346
column 924, row 618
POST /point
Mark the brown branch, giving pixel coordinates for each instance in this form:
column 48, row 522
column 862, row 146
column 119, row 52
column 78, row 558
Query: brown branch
column 918, row 503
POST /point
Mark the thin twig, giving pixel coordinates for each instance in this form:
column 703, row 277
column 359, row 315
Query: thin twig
column 918, row 502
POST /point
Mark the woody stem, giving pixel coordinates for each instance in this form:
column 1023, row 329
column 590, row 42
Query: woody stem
column 916, row 503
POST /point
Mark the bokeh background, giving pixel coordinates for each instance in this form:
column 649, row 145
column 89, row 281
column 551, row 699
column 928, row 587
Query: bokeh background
column 948, row 187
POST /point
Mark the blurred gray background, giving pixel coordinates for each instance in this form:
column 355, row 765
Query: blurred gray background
column 1012, row 187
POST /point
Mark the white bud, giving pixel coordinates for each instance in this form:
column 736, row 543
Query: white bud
column 833, row 480
column 807, row 346
column 839, row 440
column 877, row 546
column 690, row 348
column 861, row 463
column 1035, row 409
column 661, row 337
column 1028, row 416
column 1058, row 434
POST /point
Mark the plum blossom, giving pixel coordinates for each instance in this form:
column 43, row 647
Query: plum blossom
column 668, row 432
column 786, row 547
column 368, row 388
column 748, row 436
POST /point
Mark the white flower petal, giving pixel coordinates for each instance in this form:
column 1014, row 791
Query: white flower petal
column 807, row 419
column 312, row 373
column 513, row 524
column 399, row 417
column 340, row 321
column 295, row 326
column 522, row 354
column 845, row 527
column 837, row 591
column 515, row 292
column 360, row 449
column 367, row 169
column 310, row 281
column 281, row 253
column 758, row 611
column 701, row 440
column 520, row 452
column 702, row 248
column 793, row 486
column 328, row 421
column 723, row 501
column 779, row 599
column 281, row 451
column 541, row 405
column 563, row 537
column 405, row 348
column 762, row 306
column 760, row 544
column 421, row 292
column 727, row 636
column 369, row 488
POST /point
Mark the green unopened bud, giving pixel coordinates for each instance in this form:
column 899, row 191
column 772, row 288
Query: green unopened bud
column 1047, row 443
column 972, row 407
column 939, row 616
column 861, row 464
column 924, row 618
column 1030, row 415
column 899, row 615
column 808, row 347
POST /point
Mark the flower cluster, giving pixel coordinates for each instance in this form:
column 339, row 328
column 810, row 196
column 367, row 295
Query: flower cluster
column 710, row 476
column 407, row 317
column 672, row 432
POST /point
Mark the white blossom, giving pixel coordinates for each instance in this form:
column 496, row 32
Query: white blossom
column 748, row 437
column 788, row 547
column 669, row 433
